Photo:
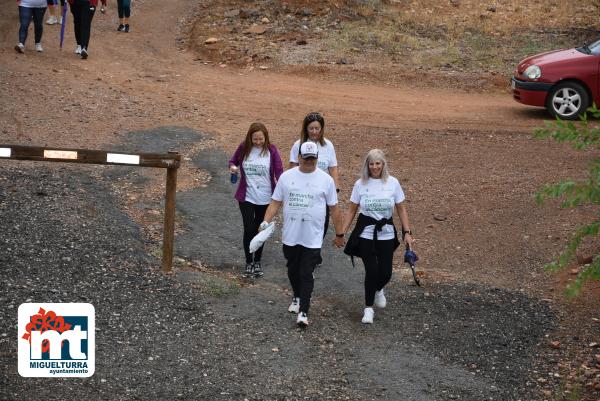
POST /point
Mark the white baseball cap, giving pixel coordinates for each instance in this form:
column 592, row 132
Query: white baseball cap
column 309, row 149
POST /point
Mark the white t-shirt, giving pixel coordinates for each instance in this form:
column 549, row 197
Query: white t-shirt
column 326, row 158
column 304, row 196
column 34, row 3
column 258, row 179
column 377, row 199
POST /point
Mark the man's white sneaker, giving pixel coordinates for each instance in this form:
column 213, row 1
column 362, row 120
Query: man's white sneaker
column 20, row 48
column 78, row 50
column 380, row 300
column 368, row 316
column 302, row 319
column 38, row 47
column 51, row 20
column 294, row 306
column 84, row 54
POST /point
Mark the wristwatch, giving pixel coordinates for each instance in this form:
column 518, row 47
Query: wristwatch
column 339, row 235
column 404, row 232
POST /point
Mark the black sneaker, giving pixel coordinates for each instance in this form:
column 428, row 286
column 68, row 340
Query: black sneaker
column 258, row 271
column 84, row 53
column 126, row 29
column 248, row 271
column 121, row 28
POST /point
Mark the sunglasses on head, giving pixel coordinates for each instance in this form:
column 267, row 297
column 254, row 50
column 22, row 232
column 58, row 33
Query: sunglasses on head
column 314, row 117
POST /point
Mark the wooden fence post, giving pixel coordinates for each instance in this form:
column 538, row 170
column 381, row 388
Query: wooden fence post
column 169, row 224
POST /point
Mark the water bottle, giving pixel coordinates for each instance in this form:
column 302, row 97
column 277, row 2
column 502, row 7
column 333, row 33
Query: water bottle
column 233, row 176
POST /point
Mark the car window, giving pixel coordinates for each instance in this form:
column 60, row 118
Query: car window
column 595, row 48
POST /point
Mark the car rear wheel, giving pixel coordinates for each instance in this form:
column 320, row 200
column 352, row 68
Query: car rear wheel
column 567, row 101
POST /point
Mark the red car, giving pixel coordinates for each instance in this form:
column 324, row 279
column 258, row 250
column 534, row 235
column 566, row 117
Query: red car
column 565, row 82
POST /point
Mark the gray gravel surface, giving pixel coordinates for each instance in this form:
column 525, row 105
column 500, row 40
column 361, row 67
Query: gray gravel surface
column 194, row 335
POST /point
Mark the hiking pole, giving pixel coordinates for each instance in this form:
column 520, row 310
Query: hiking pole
column 411, row 258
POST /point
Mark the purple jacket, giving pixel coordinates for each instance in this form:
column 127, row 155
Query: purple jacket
column 275, row 169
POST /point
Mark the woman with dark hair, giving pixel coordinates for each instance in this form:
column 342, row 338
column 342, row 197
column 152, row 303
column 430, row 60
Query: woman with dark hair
column 313, row 129
column 374, row 237
column 260, row 166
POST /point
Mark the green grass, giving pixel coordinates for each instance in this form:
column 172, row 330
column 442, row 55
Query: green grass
column 562, row 394
column 217, row 286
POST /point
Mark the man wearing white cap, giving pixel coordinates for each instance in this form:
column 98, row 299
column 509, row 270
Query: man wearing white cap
column 304, row 191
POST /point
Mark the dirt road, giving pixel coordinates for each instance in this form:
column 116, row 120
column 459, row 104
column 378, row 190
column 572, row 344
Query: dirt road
column 466, row 159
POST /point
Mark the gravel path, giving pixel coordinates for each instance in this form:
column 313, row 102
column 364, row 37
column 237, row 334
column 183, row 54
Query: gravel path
column 195, row 335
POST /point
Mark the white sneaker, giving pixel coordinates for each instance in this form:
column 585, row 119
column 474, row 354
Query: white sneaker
column 380, row 300
column 60, row 21
column 302, row 319
column 20, row 48
column 78, row 50
column 294, row 306
column 38, row 47
column 84, row 53
column 368, row 316
column 51, row 20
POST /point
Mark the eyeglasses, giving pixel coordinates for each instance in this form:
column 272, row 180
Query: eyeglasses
column 314, row 117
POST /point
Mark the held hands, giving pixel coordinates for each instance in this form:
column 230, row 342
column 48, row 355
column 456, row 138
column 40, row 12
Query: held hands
column 339, row 241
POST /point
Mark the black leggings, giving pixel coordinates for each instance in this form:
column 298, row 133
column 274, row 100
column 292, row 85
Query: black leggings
column 26, row 14
column 378, row 265
column 124, row 8
column 301, row 263
column 326, row 221
column 83, row 13
column 252, row 216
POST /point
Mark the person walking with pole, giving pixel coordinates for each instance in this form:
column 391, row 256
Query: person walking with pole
column 374, row 238
column 304, row 192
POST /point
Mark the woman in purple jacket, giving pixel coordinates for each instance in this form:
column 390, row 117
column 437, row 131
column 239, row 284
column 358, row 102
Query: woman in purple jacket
column 260, row 166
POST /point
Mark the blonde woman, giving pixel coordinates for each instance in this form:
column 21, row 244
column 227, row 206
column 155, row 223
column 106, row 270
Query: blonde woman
column 374, row 239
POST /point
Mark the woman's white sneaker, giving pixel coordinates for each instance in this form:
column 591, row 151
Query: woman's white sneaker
column 20, row 48
column 78, row 50
column 38, row 47
column 380, row 300
column 368, row 316
column 302, row 319
column 294, row 306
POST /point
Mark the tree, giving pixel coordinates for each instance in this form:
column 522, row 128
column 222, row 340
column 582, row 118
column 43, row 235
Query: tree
column 581, row 135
